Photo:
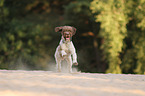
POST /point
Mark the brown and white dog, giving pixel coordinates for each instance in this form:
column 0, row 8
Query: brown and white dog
column 65, row 48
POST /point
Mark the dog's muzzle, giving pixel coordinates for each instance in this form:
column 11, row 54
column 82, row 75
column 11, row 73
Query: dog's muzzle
column 67, row 36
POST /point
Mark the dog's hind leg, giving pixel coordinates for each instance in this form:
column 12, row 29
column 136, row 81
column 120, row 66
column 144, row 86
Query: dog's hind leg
column 58, row 64
column 69, row 61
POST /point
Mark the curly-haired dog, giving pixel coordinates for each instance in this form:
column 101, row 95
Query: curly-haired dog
column 66, row 48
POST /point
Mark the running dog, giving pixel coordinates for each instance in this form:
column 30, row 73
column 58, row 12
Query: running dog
column 66, row 48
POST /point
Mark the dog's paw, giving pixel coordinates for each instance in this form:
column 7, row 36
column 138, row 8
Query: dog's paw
column 58, row 70
column 63, row 53
column 75, row 63
column 63, row 56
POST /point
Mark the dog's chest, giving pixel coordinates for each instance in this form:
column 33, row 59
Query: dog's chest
column 66, row 47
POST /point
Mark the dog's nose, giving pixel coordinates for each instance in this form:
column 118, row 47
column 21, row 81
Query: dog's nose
column 67, row 33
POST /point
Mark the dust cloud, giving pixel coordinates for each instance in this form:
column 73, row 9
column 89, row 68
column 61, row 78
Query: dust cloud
column 64, row 67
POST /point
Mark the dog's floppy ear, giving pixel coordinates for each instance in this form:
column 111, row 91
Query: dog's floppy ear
column 58, row 29
column 74, row 30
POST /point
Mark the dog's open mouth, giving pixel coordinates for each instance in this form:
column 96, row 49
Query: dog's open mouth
column 67, row 36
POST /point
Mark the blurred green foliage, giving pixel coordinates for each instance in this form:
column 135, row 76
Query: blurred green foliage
column 122, row 27
column 111, row 14
column 110, row 34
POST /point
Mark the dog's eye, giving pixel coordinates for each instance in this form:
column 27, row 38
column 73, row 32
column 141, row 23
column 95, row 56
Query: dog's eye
column 67, row 30
column 60, row 30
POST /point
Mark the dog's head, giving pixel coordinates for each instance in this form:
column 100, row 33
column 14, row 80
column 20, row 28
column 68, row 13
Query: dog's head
column 66, row 31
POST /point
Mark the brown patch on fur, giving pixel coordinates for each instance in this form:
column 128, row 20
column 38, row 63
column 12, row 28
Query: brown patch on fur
column 63, row 29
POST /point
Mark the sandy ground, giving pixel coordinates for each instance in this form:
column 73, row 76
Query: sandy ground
column 48, row 83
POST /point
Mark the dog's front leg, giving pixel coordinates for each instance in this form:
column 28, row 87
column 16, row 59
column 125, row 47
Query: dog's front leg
column 69, row 61
column 74, row 55
column 63, row 47
column 63, row 53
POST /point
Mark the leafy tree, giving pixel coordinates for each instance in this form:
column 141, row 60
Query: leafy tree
column 133, row 60
column 111, row 14
column 122, row 27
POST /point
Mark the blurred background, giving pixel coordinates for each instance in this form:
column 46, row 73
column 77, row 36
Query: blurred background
column 110, row 34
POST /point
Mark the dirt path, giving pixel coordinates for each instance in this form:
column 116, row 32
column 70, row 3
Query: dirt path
column 46, row 83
